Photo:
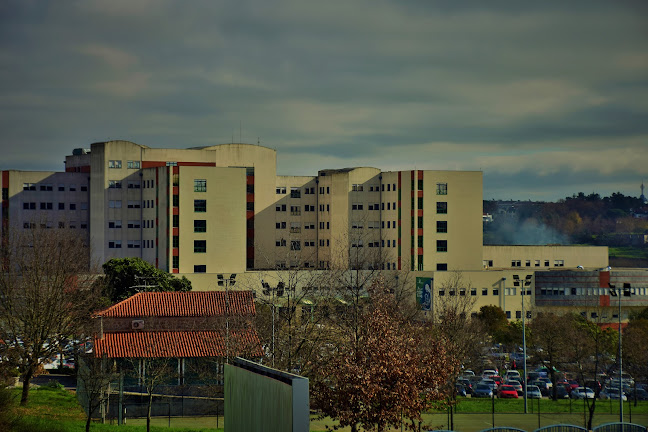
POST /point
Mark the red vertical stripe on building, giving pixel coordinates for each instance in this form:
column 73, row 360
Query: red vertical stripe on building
column 604, row 279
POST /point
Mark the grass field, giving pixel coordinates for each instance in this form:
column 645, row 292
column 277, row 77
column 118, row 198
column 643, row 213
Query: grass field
column 56, row 410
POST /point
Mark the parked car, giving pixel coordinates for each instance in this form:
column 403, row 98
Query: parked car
column 533, row 392
column 582, row 393
column 483, row 390
column 611, row 393
column 468, row 372
column 547, row 380
column 573, row 384
column 512, row 373
column 489, row 373
column 468, row 386
column 461, row 390
column 544, row 389
column 498, row 379
column 562, row 391
column 507, row 391
column 638, row 394
column 516, row 385
column 489, row 382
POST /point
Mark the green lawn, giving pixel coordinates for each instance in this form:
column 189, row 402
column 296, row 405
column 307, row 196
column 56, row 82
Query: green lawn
column 56, row 410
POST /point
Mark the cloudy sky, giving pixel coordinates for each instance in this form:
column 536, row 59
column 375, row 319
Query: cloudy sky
column 547, row 98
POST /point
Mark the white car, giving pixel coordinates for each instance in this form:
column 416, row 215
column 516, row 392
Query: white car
column 582, row 393
column 612, row 393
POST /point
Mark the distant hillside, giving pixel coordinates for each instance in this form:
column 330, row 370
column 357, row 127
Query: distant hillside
column 617, row 220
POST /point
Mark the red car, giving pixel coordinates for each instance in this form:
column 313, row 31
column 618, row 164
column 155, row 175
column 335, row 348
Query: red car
column 507, row 391
column 498, row 379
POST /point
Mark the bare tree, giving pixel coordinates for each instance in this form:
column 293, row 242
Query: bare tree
column 46, row 294
column 547, row 340
column 452, row 308
column 94, row 376
column 588, row 343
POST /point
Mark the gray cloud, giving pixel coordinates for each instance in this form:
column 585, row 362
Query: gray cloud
column 436, row 84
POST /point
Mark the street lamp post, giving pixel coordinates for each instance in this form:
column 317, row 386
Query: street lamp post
column 615, row 293
column 227, row 283
column 523, row 287
column 267, row 289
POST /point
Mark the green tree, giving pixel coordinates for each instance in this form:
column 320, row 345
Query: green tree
column 127, row 276
column 493, row 319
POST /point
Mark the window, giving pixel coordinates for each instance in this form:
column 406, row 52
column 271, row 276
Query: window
column 473, row 291
column 537, row 263
column 176, row 221
column 73, row 205
column 442, row 226
column 309, row 191
column 309, row 226
column 200, row 225
column 114, row 184
column 116, row 244
column 373, row 206
column 295, row 245
column 280, row 190
column 309, row 208
column 46, row 206
column 442, row 267
column 527, row 263
column 280, row 225
column 559, row 263
column 495, row 292
column 249, row 206
column 115, row 224
column 46, row 187
column 175, row 200
column 61, row 206
column 281, row 242
column 29, row 225
column 29, row 186
column 200, row 185
column 442, row 207
column 172, row 164
column 84, row 188
column 546, row 263
column 114, row 164
column 281, row 207
column 175, row 241
column 200, row 206
column 200, row 246
column 484, row 291
column 295, row 210
column 356, row 225
column 5, row 193
column 176, row 262
column 134, row 244
column 516, row 263
column 134, row 184
column 133, row 164
column 295, row 192
column 357, row 188
column 295, row 227
column 442, row 189
column 420, row 203
column 29, row 206
column 134, row 204
column 442, row 246
column 134, row 224
column 356, row 206
column 200, row 269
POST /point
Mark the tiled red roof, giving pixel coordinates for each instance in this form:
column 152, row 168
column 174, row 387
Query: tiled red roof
column 165, row 344
column 182, row 304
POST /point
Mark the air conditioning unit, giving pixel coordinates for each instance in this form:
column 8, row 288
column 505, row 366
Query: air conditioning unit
column 137, row 324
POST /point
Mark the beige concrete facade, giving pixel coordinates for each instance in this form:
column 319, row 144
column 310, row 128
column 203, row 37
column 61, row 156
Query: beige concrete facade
column 550, row 256
column 223, row 209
